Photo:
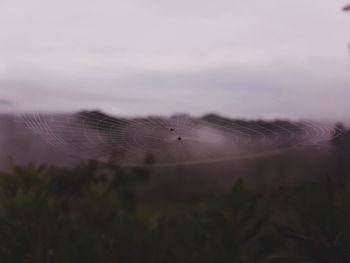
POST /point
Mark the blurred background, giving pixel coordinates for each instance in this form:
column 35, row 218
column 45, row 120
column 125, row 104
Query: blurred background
column 246, row 59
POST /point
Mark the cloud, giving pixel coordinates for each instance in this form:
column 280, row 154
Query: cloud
column 288, row 91
column 242, row 58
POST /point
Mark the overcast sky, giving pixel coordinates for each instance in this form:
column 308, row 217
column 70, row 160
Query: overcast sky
column 241, row 58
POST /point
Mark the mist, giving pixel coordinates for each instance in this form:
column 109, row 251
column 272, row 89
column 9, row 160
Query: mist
column 243, row 60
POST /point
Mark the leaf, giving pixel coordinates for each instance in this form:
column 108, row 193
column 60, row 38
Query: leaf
column 289, row 232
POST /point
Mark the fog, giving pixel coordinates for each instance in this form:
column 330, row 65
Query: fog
column 255, row 59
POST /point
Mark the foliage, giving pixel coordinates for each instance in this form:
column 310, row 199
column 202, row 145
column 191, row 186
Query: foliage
column 90, row 213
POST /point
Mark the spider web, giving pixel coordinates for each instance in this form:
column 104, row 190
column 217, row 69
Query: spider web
column 177, row 140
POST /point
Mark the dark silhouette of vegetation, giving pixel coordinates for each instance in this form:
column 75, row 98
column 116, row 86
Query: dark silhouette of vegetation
column 91, row 214
column 100, row 212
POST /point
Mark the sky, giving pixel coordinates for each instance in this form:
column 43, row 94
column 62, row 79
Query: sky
column 238, row 58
